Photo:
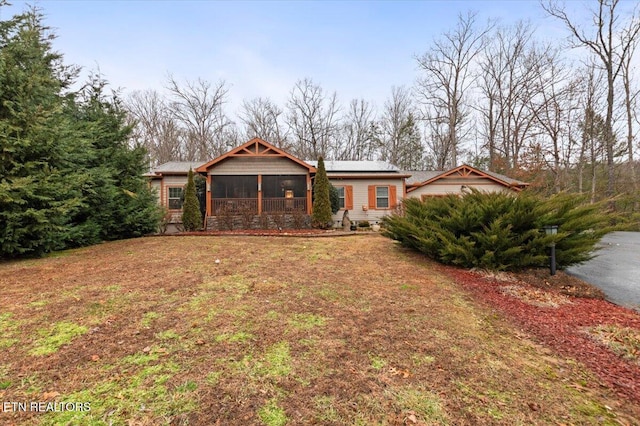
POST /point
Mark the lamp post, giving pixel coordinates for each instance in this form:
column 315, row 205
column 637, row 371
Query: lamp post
column 552, row 230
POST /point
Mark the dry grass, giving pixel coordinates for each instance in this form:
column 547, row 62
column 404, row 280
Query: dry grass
column 282, row 331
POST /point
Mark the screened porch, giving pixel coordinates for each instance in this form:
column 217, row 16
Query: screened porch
column 258, row 194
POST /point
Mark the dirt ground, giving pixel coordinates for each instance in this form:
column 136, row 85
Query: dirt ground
column 224, row 330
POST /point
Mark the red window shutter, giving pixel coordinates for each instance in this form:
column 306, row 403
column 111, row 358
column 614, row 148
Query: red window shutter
column 393, row 198
column 372, row 196
column 348, row 197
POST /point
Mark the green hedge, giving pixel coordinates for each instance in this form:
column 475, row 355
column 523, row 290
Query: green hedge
column 500, row 231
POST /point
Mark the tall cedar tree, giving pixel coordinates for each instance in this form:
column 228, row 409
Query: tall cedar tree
column 321, row 217
column 191, row 216
column 117, row 200
column 67, row 176
column 38, row 189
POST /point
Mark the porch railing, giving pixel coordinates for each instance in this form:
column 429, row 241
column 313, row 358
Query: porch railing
column 233, row 205
column 284, row 204
column 269, row 205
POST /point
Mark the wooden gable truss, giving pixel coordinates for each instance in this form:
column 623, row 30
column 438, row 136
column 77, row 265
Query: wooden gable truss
column 465, row 172
column 256, row 147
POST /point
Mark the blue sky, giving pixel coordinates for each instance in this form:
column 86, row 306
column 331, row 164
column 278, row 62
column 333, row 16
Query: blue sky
column 360, row 49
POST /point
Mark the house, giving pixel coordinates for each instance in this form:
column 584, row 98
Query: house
column 259, row 185
column 424, row 184
column 369, row 190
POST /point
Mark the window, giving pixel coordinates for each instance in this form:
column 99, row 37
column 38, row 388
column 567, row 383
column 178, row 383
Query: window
column 341, row 194
column 345, row 197
column 175, row 198
column 382, row 197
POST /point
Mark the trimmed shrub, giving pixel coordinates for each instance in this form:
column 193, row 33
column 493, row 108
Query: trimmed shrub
column 499, row 231
column 191, row 216
column 321, row 217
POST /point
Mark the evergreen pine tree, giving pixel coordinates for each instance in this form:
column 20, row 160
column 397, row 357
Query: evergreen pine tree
column 39, row 187
column 321, row 217
column 117, row 199
column 67, row 174
column 191, row 217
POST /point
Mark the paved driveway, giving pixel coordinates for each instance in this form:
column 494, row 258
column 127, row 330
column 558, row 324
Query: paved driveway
column 615, row 269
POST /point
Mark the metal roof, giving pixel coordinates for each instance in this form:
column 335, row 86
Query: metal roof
column 177, row 166
column 356, row 166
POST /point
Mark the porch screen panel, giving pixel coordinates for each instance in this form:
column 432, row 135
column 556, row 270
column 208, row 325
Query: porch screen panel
column 277, row 186
column 234, row 186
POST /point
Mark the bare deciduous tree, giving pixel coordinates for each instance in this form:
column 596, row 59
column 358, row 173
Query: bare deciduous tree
column 554, row 108
column 446, row 78
column 400, row 142
column 508, row 66
column 313, row 120
column 155, row 127
column 358, row 133
column 612, row 46
column 197, row 105
column 263, row 119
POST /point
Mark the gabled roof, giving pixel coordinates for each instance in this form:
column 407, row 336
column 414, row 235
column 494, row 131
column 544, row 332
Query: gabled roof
column 419, row 176
column 256, row 147
column 464, row 171
column 177, row 167
column 356, row 166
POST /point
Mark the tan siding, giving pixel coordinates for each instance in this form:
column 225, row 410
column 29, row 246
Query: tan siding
column 361, row 198
column 257, row 165
column 175, row 180
column 453, row 186
column 156, row 187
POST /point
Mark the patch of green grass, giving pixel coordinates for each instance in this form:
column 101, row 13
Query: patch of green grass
column 422, row 359
column 56, row 336
column 188, row 386
column 306, row 321
column 328, row 294
column 113, row 288
column 213, row 377
column 4, row 382
column 273, row 315
column 238, row 337
column 408, row 287
column 149, row 317
column 425, row 404
column 142, row 397
column 8, row 328
column 596, row 411
column 38, row 303
column 272, row 415
column 140, row 358
column 326, row 410
column 377, row 362
column 167, row 335
column 277, row 361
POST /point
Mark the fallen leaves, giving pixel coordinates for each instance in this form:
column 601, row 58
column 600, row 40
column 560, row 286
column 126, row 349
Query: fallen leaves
column 562, row 328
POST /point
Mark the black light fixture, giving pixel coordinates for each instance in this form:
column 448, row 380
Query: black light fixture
column 552, row 230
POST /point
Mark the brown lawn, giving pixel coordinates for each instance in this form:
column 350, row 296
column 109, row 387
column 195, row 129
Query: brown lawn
column 223, row 330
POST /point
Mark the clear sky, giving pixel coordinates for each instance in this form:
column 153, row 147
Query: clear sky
column 360, row 49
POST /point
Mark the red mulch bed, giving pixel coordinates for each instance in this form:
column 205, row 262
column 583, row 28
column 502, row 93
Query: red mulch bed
column 561, row 327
